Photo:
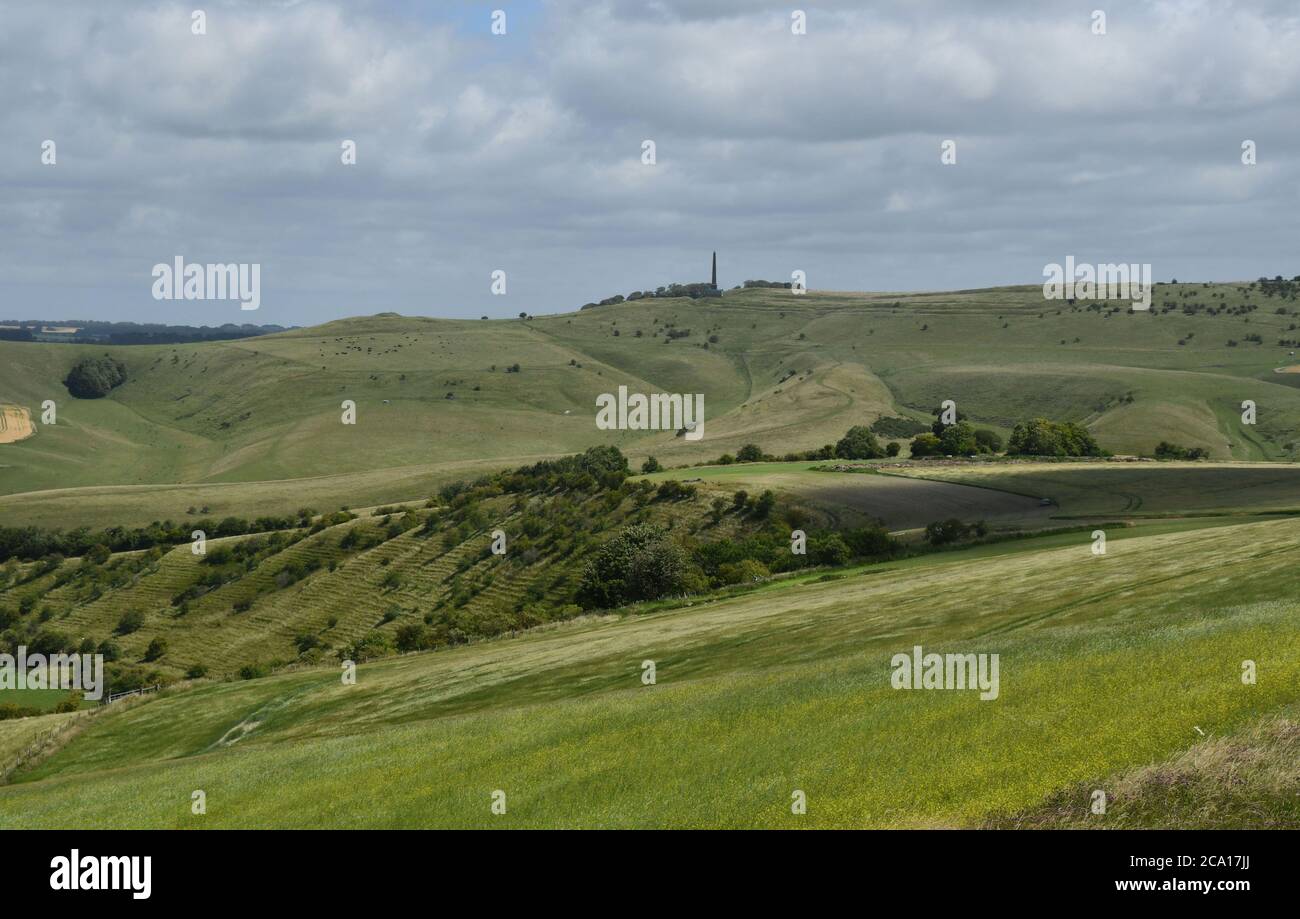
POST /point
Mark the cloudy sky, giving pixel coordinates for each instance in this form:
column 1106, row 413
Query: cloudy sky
column 523, row 152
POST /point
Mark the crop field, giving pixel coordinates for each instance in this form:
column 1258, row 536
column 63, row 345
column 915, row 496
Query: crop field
column 1134, row 489
column 1107, row 664
column 15, row 424
column 900, row 503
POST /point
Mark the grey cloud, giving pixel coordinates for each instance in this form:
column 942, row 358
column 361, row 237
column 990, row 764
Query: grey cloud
column 781, row 151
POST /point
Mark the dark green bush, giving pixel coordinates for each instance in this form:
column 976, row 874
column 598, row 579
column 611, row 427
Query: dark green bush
column 858, row 444
column 130, row 622
column 640, row 563
column 95, row 377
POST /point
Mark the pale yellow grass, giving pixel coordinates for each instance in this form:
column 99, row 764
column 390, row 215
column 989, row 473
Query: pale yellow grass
column 15, row 424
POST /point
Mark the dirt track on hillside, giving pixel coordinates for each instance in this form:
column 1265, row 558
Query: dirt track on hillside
column 15, row 424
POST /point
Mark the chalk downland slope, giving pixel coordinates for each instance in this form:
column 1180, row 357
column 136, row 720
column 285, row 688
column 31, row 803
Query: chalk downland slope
column 788, row 372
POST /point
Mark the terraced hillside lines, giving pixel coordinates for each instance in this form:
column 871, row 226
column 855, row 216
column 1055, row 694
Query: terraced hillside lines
column 297, row 596
column 354, row 594
column 149, row 590
column 786, row 688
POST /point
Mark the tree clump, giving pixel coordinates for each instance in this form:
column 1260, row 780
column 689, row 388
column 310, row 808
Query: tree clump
column 1041, row 437
column 95, row 377
column 858, row 444
column 640, row 563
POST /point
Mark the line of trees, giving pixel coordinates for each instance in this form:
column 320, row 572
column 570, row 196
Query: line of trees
column 29, row 543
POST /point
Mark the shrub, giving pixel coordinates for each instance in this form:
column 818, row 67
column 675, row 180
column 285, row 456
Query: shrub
column 650, row 465
column 70, row 704
column 942, row 532
column 926, row 445
column 374, row 644
column 9, row 710
column 48, row 641
column 640, row 563
column 672, row 490
column 745, row 571
column 157, row 648
column 414, row 637
column 130, row 622
column 305, row 642
column 859, row 443
column 988, row 441
column 959, row 440
column 898, row 427
column 869, row 541
column 196, row 672
column 828, row 550
column 750, row 453
column 893, row 448
column 1171, row 451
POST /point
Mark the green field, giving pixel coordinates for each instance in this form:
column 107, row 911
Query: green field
column 1108, row 664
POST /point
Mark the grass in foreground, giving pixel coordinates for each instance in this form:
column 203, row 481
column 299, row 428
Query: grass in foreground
column 1107, row 664
column 1250, row 777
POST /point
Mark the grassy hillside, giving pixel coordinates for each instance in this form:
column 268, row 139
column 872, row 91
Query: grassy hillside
column 308, row 591
column 791, row 372
column 1107, row 664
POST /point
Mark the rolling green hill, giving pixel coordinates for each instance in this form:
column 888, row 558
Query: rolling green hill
column 242, row 424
